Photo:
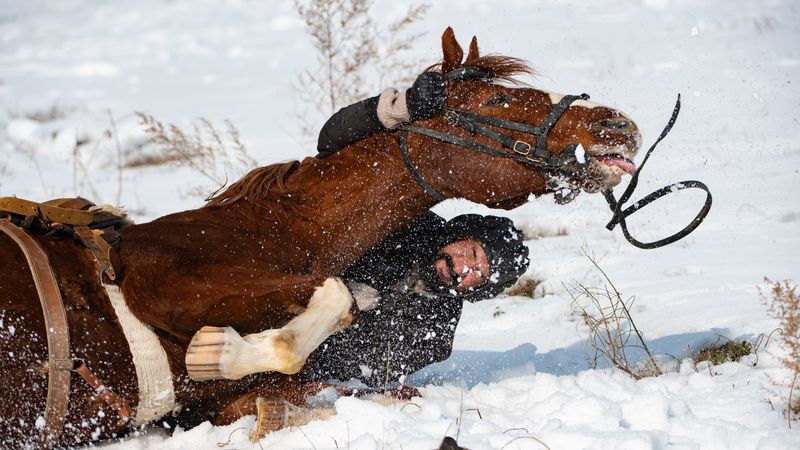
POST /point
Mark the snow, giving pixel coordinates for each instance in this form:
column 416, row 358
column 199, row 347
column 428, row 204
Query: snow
column 522, row 374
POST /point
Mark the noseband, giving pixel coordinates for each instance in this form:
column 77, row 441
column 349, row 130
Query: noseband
column 536, row 154
column 567, row 164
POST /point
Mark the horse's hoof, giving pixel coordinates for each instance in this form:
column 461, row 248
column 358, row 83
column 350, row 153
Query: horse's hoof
column 271, row 416
column 205, row 353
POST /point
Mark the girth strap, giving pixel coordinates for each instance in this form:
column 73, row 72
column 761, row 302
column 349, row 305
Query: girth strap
column 56, row 328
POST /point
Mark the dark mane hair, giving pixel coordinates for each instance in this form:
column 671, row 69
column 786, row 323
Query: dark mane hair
column 265, row 190
column 504, row 68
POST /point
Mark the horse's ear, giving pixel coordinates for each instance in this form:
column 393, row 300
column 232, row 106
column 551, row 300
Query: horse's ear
column 451, row 50
column 473, row 55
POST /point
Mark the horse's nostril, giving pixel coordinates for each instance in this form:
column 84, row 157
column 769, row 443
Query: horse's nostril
column 617, row 123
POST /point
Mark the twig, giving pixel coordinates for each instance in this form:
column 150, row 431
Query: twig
column 477, row 411
column 119, row 156
column 410, row 404
column 791, row 391
column 230, row 436
column 460, row 414
column 526, row 437
column 306, row 436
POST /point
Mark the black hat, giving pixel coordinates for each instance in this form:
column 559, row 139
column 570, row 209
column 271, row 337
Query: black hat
column 502, row 243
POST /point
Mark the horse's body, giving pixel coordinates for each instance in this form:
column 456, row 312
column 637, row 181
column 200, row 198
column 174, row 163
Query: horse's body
column 254, row 256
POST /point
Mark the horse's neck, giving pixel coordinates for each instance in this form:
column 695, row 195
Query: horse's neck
column 359, row 196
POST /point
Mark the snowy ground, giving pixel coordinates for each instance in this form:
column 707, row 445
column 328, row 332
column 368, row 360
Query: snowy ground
column 521, row 374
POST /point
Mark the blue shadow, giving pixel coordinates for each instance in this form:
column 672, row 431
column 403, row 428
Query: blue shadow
column 467, row 368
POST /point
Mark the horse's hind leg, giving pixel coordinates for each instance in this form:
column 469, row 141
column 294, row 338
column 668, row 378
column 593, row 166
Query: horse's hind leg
column 217, row 352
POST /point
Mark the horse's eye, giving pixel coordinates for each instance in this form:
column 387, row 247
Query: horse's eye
column 498, row 99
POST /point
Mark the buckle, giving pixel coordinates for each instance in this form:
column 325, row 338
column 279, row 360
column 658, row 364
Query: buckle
column 523, row 148
column 451, row 117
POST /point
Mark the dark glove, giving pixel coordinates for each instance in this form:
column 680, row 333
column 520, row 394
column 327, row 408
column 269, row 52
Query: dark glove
column 426, row 97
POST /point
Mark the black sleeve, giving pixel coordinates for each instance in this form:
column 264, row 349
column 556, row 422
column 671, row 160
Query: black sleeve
column 403, row 334
column 390, row 260
column 349, row 125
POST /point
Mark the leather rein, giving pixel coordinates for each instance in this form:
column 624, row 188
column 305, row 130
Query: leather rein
column 568, row 164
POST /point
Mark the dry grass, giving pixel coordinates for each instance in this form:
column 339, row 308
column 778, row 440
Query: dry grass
column 349, row 43
column 612, row 332
column 784, row 304
column 204, row 149
column 524, row 287
column 729, row 351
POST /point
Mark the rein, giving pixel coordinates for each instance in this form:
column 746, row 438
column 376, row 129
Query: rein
column 567, row 164
column 618, row 215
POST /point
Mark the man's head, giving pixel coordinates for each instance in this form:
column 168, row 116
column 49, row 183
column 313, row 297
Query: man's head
column 478, row 258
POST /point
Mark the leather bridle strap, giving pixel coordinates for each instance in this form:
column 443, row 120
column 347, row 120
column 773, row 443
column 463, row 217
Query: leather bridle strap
column 56, row 328
column 619, row 215
column 523, row 152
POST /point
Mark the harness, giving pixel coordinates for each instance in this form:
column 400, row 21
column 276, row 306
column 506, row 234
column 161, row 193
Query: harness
column 536, row 154
column 61, row 215
column 556, row 170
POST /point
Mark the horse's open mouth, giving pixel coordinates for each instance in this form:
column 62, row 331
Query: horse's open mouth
column 616, row 160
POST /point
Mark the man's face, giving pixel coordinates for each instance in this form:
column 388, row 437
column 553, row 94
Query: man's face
column 462, row 265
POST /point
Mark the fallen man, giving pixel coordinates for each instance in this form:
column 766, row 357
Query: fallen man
column 412, row 287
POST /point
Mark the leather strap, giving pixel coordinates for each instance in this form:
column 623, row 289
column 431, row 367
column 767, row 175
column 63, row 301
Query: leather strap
column 117, row 403
column 51, row 213
column 100, row 250
column 57, row 329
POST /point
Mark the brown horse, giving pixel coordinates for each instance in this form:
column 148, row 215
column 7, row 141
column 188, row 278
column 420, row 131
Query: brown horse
column 260, row 259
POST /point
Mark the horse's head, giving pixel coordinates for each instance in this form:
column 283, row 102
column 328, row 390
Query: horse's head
column 538, row 138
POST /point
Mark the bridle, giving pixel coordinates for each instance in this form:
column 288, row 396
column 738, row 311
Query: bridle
column 555, row 170
column 568, row 164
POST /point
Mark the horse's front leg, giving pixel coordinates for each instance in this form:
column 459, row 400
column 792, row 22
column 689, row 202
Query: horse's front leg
column 220, row 352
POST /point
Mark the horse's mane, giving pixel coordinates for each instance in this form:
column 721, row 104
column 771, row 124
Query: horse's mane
column 265, row 189
column 504, row 68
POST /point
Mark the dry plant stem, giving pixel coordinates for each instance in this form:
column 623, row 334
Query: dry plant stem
column 525, row 437
column 460, row 413
column 627, row 313
column 791, row 391
column 306, row 436
column 119, row 157
column 204, row 150
column 349, row 43
column 78, row 164
column 230, row 436
column 610, row 326
column 476, row 410
column 784, row 304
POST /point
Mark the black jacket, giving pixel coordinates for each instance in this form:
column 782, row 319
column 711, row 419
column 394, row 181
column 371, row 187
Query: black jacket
column 406, row 331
